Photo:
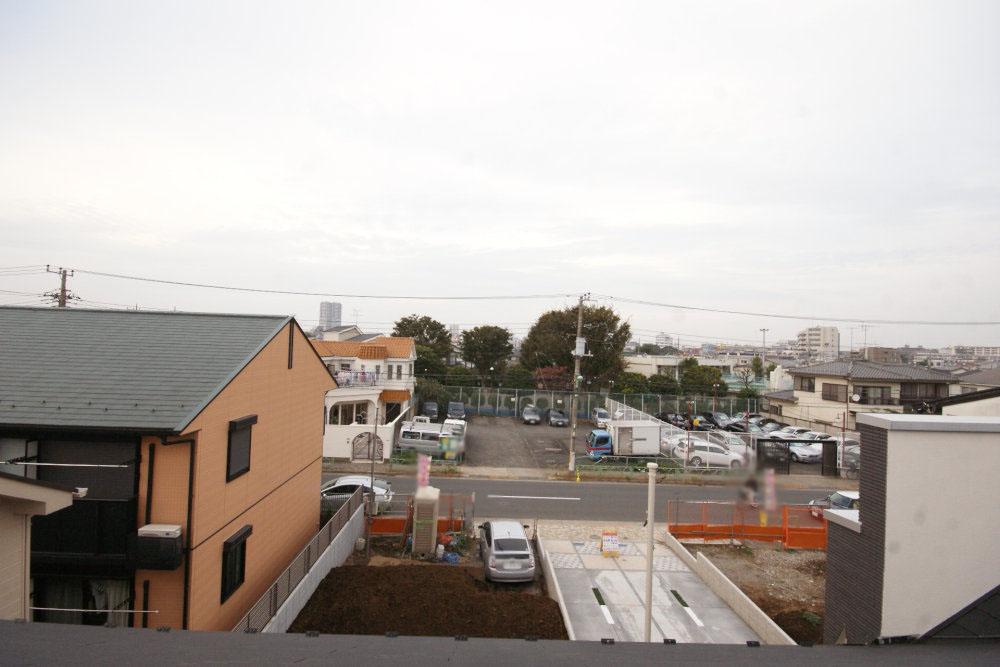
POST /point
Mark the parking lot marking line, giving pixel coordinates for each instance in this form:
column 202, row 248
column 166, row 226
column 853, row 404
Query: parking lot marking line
column 534, row 497
column 693, row 617
column 607, row 615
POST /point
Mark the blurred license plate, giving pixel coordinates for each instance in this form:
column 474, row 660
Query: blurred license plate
column 511, row 565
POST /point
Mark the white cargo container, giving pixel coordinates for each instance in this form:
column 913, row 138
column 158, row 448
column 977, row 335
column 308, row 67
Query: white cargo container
column 635, row 438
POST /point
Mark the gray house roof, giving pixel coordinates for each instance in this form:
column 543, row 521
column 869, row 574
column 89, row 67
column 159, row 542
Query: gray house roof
column 990, row 376
column 117, row 369
column 869, row 370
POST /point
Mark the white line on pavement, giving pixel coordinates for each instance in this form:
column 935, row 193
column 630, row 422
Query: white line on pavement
column 693, row 617
column 533, row 497
column 607, row 614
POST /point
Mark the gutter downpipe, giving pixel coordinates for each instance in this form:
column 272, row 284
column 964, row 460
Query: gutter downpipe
column 187, row 529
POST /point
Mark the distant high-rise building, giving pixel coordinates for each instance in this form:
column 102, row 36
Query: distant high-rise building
column 329, row 314
column 817, row 344
column 665, row 340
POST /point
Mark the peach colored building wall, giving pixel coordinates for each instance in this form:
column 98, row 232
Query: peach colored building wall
column 278, row 496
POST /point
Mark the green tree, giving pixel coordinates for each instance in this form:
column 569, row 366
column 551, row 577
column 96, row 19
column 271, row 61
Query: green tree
column 518, row 377
column 431, row 390
column 746, row 376
column 663, row 384
column 552, row 339
column 460, row 376
column 650, row 348
column 632, row 383
column 485, row 347
column 554, row 378
column 428, row 363
column 758, row 367
column 697, row 379
column 770, row 368
column 425, row 331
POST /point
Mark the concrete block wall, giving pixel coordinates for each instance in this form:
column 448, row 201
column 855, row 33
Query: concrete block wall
column 553, row 584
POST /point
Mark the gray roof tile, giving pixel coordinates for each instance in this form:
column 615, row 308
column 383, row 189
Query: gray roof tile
column 68, row 367
column 869, row 370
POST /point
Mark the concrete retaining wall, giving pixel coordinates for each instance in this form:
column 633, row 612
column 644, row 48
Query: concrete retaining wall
column 332, row 557
column 552, row 584
column 768, row 631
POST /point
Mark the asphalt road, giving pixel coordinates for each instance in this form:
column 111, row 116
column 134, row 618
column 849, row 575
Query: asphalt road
column 535, row 499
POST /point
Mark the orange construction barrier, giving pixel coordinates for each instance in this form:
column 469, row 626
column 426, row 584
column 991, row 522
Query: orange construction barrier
column 792, row 525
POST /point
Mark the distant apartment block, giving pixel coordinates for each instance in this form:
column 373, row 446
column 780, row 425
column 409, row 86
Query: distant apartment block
column 329, row 314
column 199, row 441
column 818, row 344
column 665, row 340
column 881, row 355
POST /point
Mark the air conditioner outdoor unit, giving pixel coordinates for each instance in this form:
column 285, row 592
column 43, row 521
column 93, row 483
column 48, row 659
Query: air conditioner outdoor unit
column 159, row 547
column 426, row 502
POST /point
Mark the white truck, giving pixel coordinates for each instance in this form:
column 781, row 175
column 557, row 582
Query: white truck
column 627, row 438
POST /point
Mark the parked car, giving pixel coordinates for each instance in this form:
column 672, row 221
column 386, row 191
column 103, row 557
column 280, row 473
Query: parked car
column 531, row 415
column 430, row 410
column 456, row 410
column 838, row 500
column 700, row 453
column 747, row 416
column 770, row 425
column 719, row 419
column 506, row 551
column 600, row 417
column 598, row 444
column 556, row 418
column 744, row 427
column 343, row 487
column 802, row 452
column 816, row 435
column 790, row 433
column 850, row 460
column 674, row 419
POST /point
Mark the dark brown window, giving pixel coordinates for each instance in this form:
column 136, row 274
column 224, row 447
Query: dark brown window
column 805, row 383
column 234, row 561
column 874, row 395
column 834, row 392
column 238, row 454
column 923, row 390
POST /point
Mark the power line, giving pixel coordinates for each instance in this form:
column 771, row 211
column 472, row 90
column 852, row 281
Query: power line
column 642, row 302
column 256, row 290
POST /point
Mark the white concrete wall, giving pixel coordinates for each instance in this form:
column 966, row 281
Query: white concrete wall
column 552, row 583
column 14, row 536
column 942, row 534
column 334, row 556
column 988, row 407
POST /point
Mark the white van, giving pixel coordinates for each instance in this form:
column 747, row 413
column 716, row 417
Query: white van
column 445, row 440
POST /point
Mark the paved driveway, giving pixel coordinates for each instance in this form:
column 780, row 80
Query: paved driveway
column 604, row 596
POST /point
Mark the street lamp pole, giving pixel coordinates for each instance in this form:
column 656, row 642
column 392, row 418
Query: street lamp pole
column 715, row 396
column 577, row 354
column 650, row 505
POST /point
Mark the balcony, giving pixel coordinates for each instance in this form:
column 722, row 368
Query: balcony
column 90, row 536
column 877, row 400
column 359, row 378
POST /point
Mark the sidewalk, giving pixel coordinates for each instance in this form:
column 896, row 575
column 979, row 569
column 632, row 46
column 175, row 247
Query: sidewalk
column 604, row 597
column 804, row 482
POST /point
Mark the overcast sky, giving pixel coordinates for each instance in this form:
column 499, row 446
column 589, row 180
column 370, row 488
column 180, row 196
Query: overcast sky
column 816, row 158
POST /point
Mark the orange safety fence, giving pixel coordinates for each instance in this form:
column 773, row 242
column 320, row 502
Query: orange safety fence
column 793, row 525
column 396, row 525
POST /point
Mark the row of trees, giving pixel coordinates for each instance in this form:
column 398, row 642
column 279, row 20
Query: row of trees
column 546, row 357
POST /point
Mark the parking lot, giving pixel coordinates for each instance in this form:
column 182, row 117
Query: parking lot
column 506, row 442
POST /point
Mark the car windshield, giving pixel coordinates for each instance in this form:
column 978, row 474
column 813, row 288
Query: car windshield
column 601, row 413
column 557, row 413
column 531, row 411
column 510, row 544
column 381, row 484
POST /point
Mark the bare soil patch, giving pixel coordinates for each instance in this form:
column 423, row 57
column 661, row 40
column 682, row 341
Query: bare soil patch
column 789, row 585
column 428, row 600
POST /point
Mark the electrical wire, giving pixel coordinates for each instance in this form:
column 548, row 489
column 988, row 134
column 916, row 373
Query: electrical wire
column 256, row 290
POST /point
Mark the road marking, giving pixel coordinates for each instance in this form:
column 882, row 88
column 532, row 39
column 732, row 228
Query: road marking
column 534, row 497
column 693, row 617
column 607, row 615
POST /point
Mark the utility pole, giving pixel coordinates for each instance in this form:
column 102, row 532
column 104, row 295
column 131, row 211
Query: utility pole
column 578, row 352
column 62, row 295
column 763, row 350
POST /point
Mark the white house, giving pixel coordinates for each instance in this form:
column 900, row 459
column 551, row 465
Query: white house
column 650, row 365
column 374, row 390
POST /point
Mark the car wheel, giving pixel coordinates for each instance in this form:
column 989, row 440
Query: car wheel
column 795, row 459
column 695, row 462
column 735, row 464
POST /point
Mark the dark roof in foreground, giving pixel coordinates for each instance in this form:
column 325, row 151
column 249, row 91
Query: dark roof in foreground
column 978, row 620
column 869, row 370
column 49, row 643
column 120, row 369
column 967, row 397
column 783, row 395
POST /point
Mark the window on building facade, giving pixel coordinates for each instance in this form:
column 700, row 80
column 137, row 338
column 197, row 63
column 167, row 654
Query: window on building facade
column 238, row 452
column 399, row 371
column 834, row 392
column 805, row 383
column 234, row 561
column 345, row 367
column 874, row 395
column 923, row 390
column 378, row 370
